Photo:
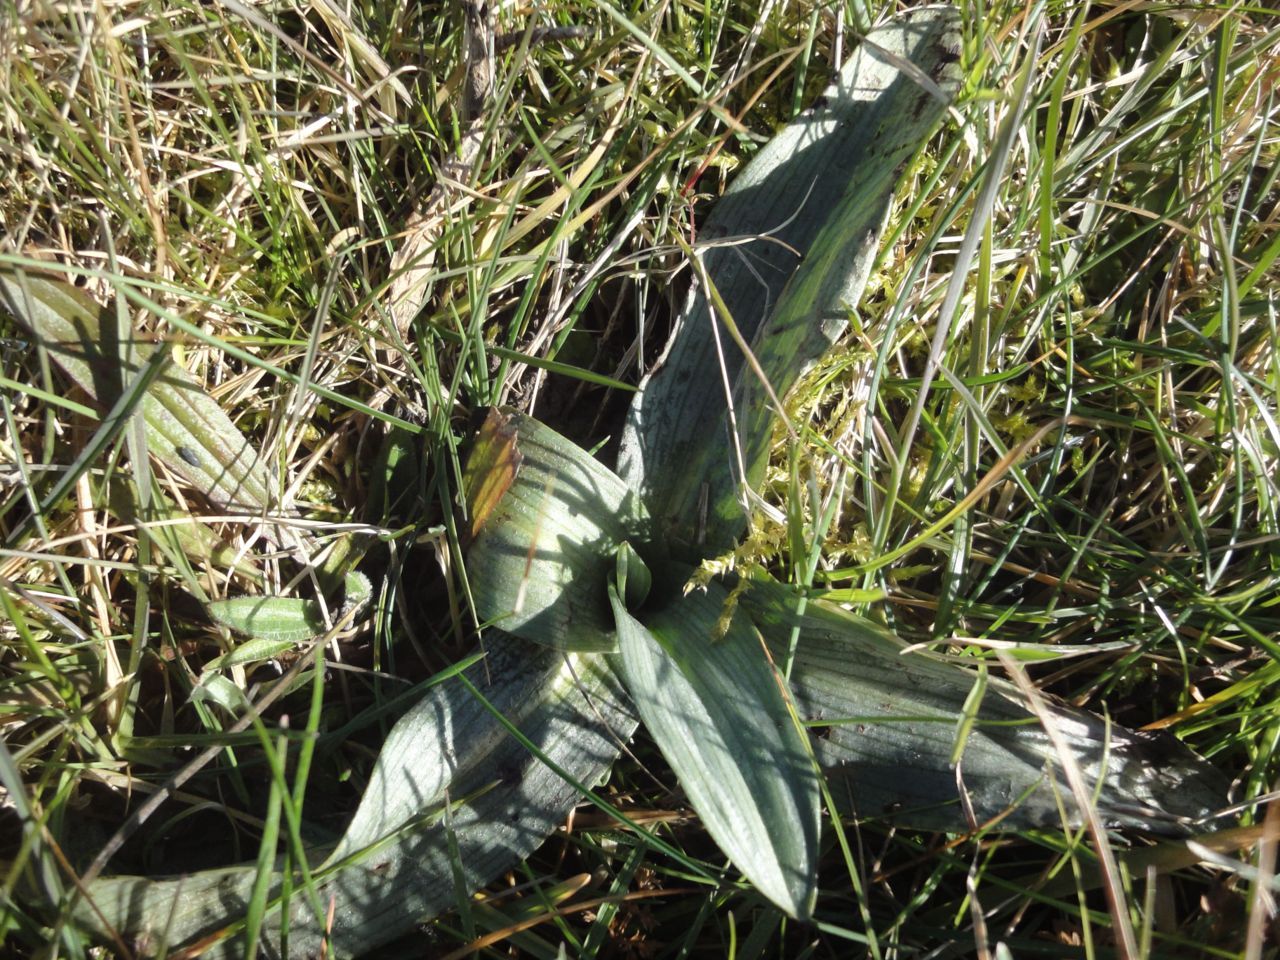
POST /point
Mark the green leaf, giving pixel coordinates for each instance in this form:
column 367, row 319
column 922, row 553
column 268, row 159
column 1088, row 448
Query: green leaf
column 632, row 576
column 186, row 429
column 252, row 651
column 286, row 619
column 393, row 478
column 889, row 722
column 395, row 866
column 547, row 521
column 215, row 688
column 442, row 736
column 184, row 539
column 275, row 619
column 805, row 219
column 716, row 711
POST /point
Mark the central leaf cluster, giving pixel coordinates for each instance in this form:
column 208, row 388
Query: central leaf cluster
column 551, row 561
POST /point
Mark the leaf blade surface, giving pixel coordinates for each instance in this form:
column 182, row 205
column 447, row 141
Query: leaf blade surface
column 548, row 521
column 891, row 720
column 716, row 711
column 186, row 428
column 788, row 249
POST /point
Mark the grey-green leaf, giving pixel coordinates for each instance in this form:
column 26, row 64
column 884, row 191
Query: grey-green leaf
column 546, row 521
column 632, row 576
column 444, row 735
column 788, row 248
column 185, row 427
column 890, row 723
column 716, row 711
column 396, row 868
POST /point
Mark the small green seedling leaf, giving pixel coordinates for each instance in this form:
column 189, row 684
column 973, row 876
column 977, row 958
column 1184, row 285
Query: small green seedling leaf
column 358, row 591
column 717, row 713
column 252, row 651
column 286, row 620
column 278, row 619
column 217, row 689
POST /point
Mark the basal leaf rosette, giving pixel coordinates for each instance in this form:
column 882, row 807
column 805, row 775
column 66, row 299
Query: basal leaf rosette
column 554, row 559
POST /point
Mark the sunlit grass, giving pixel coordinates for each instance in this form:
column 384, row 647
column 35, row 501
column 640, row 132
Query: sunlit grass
column 239, row 180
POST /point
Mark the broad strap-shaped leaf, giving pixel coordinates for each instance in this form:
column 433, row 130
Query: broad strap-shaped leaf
column 183, row 539
column 887, row 725
column 546, row 522
column 186, row 428
column 444, row 735
column 787, row 249
column 396, row 868
column 715, row 709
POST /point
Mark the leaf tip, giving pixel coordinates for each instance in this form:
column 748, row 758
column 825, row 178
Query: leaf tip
column 491, row 468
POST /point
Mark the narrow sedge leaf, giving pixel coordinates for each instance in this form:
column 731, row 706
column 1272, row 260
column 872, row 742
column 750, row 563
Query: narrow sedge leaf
column 546, row 545
column 717, row 713
column 890, row 719
column 969, row 713
column 786, row 252
column 186, row 428
column 258, row 896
